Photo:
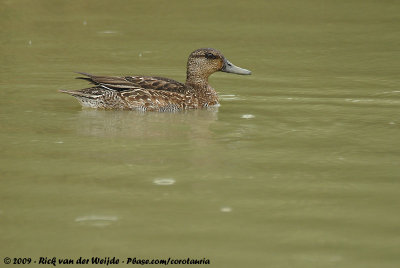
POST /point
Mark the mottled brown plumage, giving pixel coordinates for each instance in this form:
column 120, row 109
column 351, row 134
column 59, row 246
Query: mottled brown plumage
column 148, row 93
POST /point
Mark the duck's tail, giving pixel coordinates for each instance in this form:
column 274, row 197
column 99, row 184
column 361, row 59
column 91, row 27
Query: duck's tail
column 85, row 97
column 79, row 94
column 89, row 77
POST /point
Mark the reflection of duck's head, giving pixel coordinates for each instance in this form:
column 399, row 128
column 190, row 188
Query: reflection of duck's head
column 205, row 61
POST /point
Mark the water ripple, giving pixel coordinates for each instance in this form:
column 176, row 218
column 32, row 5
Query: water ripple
column 96, row 220
column 226, row 209
column 247, row 116
column 164, row 181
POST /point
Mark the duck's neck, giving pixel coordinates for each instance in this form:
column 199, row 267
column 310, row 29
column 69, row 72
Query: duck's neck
column 198, row 85
column 197, row 81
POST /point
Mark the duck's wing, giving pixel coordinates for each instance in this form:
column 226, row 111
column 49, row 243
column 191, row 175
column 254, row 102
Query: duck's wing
column 134, row 98
column 122, row 83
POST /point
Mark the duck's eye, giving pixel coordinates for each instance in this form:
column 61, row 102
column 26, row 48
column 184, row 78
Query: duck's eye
column 209, row 55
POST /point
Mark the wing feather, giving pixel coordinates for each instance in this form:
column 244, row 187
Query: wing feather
column 125, row 83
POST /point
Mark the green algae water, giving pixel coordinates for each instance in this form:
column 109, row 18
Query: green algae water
column 298, row 167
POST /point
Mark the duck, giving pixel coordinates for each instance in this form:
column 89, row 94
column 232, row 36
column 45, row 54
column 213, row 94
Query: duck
column 152, row 93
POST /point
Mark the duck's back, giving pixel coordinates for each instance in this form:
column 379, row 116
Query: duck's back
column 129, row 82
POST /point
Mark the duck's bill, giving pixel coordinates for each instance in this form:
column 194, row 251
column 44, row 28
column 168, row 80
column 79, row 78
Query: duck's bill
column 230, row 68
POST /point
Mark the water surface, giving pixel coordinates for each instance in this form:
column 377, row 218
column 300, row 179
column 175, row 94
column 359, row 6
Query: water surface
column 299, row 167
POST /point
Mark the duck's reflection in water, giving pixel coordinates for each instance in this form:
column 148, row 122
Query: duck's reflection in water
column 147, row 125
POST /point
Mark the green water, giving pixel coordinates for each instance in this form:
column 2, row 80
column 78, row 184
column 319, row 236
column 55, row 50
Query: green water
column 299, row 167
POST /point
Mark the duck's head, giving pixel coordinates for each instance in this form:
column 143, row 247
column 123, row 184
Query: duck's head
column 205, row 61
